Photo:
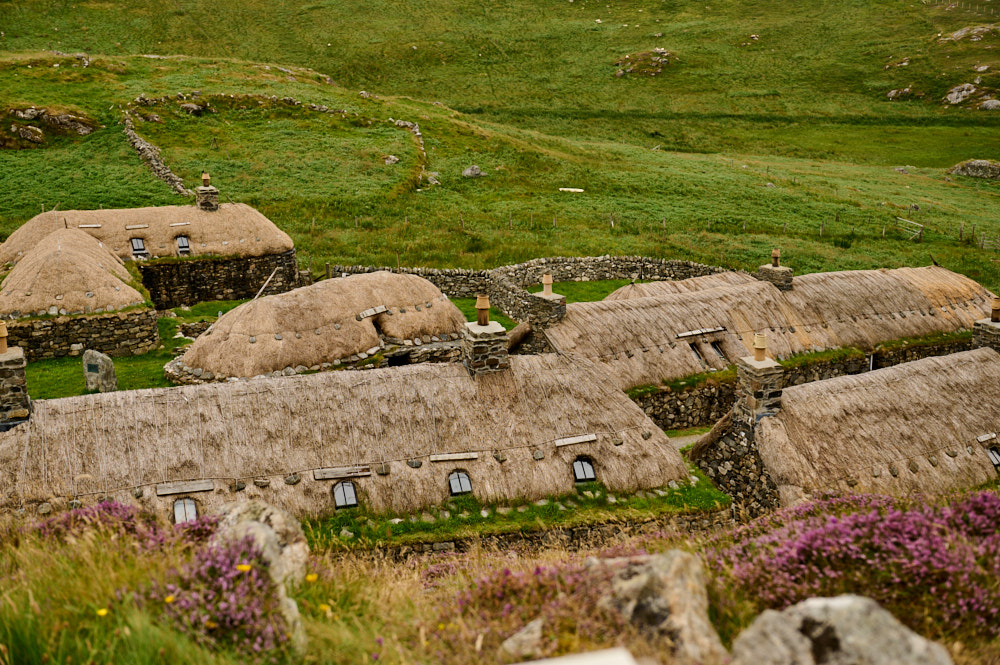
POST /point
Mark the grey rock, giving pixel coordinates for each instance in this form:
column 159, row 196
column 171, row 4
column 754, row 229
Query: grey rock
column 990, row 105
column 28, row 133
column 665, row 595
column 978, row 168
column 473, row 172
column 44, row 508
column 99, row 372
column 391, row 159
column 293, row 479
column 845, row 630
column 959, row 93
column 193, row 109
column 525, row 643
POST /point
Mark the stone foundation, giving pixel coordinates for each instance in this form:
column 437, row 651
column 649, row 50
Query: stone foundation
column 177, row 282
column 735, row 467
column 986, row 333
column 14, row 402
column 120, row 334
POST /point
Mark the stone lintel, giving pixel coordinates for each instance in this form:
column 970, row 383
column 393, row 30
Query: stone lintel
column 476, row 330
column 552, row 297
column 13, row 354
column 765, row 366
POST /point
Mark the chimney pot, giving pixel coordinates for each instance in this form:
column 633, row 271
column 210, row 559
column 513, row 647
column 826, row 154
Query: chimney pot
column 483, row 310
column 995, row 310
column 547, row 284
column 775, row 257
column 3, row 337
column 206, row 180
column 759, row 346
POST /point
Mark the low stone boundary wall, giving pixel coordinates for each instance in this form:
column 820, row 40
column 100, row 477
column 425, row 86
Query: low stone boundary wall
column 118, row 334
column 173, row 283
column 704, row 404
column 590, row 536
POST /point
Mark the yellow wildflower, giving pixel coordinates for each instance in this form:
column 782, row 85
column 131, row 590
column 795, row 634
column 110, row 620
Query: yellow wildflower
column 211, row 624
column 312, row 577
column 440, row 626
column 103, row 612
column 323, row 607
column 243, row 567
column 169, row 599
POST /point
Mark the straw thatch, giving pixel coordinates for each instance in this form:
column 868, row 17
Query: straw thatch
column 71, row 271
column 235, row 229
column 107, row 444
column 908, row 428
column 320, row 323
column 653, row 289
column 639, row 338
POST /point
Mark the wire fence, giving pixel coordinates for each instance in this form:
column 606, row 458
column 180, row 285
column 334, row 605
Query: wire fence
column 967, row 5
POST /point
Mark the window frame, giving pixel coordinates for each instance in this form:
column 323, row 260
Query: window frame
column 188, row 505
column 464, row 482
column 589, row 462
column 994, row 454
column 343, row 486
column 140, row 253
column 186, row 250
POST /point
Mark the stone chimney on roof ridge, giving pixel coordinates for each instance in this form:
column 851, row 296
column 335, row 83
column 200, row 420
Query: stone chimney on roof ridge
column 986, row 332
column 777, row 274
column 206, row 196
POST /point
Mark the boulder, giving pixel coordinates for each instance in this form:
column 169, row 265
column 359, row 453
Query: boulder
column 70, row 122
column 283, row 546
column 978, row 168
column 899, row 93
column 28, row 133
column 846, row 630
column 959, row 93
column 193, row 109
column 473, row 172
column 990, row 105
column 99, row 372
column 29, row 113
column 664, row 595
column 525, row 643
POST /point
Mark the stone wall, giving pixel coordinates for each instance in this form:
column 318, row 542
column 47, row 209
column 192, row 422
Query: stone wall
column 119, row 334
column 904, row 354
column 986, row 333
column 172, row 283
column 454, row 283
column 14, row 403
column 735, row 467
column 591, row 536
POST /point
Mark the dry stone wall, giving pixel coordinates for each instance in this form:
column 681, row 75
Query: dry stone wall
column 173, row 283
column 119, row 334
column 735, row 467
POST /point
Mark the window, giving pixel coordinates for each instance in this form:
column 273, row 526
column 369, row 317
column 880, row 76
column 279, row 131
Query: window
column 717, row 347
column 185, row 510
column 139, row 248
column 459, row 483
column 183, row 245
column 994, row 454
column 344, row 496
column 697, row 354
column 583, row 470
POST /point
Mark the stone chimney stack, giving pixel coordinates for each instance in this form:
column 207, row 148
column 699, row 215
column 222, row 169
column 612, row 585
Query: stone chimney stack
column 14, row 403
column 759, row 384
column 206, row 196
column 986, row 332
column 484, row 342
column 777, row 274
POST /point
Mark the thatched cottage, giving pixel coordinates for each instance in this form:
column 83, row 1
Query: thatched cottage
column 69, row 292
column 394, row 439
column 648, row 333
column 334, row 321
column 929, row 426
column 186, row 254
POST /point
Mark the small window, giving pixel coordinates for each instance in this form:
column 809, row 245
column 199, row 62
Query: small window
column 459, row 483
column 583, row 470
column 697, row 354
column 717, row 347
column 994, row 454
column 139, row 248
column 344, row 495
column 185, row 510
column 183, row 245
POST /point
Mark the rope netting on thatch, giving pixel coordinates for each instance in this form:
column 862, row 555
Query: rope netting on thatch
column 107, row 444
column 235, row 229
column 908, row 428
column 326, row 321
column 648, row 289
column 647, row 340
column 71, row 271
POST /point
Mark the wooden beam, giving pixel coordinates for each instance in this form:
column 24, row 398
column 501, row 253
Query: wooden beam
column 334, row 473
column 569, row 441
column 184, row 487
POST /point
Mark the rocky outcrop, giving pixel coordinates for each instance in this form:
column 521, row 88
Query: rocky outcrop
column 959, row 93
column 845, row 630
column 990, row 105
column 664, row 595
column 978, row 168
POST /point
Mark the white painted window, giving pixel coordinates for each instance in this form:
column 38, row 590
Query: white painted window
column 344, row 495
column 185, row 510
column 459, row 483
column 583, row 470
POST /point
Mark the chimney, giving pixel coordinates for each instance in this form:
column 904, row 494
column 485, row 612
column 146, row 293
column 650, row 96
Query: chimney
column 14, row 403
column 776, row 273
column 484, row 342
column 547, row 285
column 759, row 383
column 550, row 306
column 986, row 332
column 206, row 196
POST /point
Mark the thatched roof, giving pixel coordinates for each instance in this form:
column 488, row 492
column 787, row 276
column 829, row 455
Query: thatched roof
column 68, row 270
column 320, row 323
column 107, row 444
column 648, row 289
column 235, row 229
column 646, row 340
column 919, row 419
